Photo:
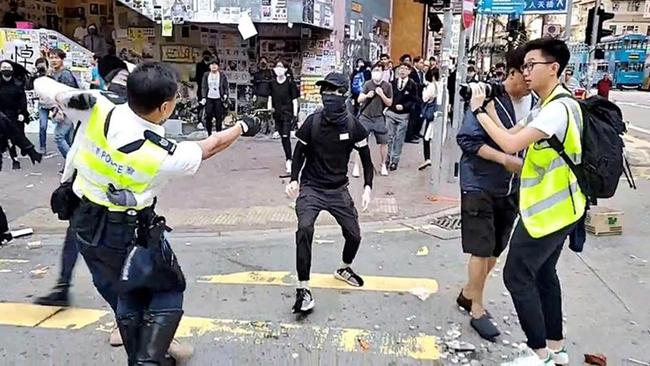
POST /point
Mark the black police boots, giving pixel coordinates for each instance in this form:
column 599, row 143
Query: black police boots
column 156, row 334
column 58, row 297
column 129, row 326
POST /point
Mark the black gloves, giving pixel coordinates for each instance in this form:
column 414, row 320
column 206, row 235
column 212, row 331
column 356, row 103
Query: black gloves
column 250, row 126
column 82, row 101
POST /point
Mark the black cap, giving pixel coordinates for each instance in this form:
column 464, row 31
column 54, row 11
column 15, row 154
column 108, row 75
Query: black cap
column 334, row 79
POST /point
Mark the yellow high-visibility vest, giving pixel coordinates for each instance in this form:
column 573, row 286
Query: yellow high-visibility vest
column 98, row 164
column 550, row 197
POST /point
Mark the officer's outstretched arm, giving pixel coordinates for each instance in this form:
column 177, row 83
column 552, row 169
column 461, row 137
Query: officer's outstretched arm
column 222, row 140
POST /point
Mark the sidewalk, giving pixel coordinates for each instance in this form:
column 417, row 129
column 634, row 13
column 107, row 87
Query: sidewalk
column 240, row 189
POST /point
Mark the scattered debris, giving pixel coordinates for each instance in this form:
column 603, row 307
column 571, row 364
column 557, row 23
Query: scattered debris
column 34, row 245
column 633, row 323
column 410, row 318
column 505, row 342
column 438, row 328
column 187, row 244
column 5, row 271
column 22, row 232
column 377, row 327
column 323, row 241
column 505, row 294
column 421, row 293
column 413, row 327
column 29, row 186
column 635, row 361
column 39, row 272
column 597, row 359
column 460, row 346
column 331, row 318
column 294, row 355
column 422, row 252
column 364, row 344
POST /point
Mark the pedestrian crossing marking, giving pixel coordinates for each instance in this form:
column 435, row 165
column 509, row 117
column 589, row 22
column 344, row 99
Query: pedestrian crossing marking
column 25, row 315
column 319, row 280
column 420, row 346
column 13, row 260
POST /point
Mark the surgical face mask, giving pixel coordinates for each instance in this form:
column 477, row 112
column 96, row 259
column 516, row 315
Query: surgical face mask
column 360, row 65
column 280, row 71
column 376, row 76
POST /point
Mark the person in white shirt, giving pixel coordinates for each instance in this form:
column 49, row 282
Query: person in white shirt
column 110, row 211
column 431, row 105
column 80, row 32
column 215, row 94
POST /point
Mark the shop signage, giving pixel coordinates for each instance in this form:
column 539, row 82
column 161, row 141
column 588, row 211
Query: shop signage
column 176, row 53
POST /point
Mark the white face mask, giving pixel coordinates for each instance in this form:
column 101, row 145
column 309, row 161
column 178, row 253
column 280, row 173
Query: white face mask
column 280, row 71
column 377, row 75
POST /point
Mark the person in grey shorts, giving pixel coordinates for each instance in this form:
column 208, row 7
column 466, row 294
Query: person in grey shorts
column 376, row 96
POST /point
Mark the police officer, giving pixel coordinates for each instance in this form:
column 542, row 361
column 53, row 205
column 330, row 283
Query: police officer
column 122, row 161
column 550, row 200
column 326, row 140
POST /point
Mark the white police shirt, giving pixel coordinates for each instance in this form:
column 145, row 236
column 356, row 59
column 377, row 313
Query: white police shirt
column 125, row 127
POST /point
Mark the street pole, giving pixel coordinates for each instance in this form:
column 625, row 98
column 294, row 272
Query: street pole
column 567, row 24
column 594, row 31
column 441, row 118
column 459, row 108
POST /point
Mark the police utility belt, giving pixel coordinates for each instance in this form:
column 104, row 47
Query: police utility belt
column 150, row 263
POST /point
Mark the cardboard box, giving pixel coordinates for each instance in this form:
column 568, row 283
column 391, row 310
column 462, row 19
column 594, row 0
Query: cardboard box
column 602, row 221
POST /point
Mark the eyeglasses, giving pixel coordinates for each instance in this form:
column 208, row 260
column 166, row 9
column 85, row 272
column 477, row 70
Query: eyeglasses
column 529, row 66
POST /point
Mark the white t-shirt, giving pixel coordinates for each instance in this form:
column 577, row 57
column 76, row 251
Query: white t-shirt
column 551, row 120
column 79, row 33
column 522, row 107
column 214, row 83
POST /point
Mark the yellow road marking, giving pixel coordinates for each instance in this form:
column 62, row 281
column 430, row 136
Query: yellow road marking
column 319, row 280
column 74, row 318
column 420, row 347
column 25, row 315
column 13, row 260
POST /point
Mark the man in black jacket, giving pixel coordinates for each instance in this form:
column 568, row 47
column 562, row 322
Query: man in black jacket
column 325, row 142
column 13, row 104
column 489, row 187
column 262, row 84
column 202, row 67
column 397, row 116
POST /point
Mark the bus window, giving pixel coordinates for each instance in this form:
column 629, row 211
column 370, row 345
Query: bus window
column 634, row 44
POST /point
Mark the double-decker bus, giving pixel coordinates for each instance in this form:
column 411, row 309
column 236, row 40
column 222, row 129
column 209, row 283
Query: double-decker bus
column 625, row 55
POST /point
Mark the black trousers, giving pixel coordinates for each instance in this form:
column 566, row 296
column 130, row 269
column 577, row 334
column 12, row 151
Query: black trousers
column 4, row 225
column 214, row 110
column 415, row 122
column 531, row 278
column 337, row 202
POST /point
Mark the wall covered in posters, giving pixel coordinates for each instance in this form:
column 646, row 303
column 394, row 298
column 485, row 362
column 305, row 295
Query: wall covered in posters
column 229, row 11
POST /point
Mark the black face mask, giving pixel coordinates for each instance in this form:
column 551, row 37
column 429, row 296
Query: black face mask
column 335, row 109
column 7, row 73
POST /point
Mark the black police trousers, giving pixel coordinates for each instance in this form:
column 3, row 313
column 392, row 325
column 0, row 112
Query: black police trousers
column 338, row 203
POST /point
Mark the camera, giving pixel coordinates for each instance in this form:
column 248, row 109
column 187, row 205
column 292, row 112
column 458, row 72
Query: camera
column 492, row 90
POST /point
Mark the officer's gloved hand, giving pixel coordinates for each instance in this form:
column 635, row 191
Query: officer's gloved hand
column 121, row 197
column 250, row 126
column 83, row 101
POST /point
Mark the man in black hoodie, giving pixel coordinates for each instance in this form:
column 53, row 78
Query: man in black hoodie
column 326, row 140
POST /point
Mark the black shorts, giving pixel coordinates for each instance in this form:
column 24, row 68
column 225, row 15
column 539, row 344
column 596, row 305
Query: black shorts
column 486, row 222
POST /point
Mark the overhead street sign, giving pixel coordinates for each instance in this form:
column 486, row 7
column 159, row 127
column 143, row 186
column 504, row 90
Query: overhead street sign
column 545, row 6
column 501, row 6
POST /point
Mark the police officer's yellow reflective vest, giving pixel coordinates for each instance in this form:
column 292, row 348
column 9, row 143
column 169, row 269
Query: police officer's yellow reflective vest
column 98, row 164
column 550, row 198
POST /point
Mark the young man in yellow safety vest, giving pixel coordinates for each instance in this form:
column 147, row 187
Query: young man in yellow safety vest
column 550, row 202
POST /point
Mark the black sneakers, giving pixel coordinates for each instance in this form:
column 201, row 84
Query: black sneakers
column 58, row 297
column 347, row 275
column 304, row 301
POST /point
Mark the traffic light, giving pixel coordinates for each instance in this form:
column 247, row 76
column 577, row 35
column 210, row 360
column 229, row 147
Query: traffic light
column 435, row 25
column 603, row 16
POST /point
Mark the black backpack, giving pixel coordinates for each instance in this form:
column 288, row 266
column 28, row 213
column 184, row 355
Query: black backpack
column 603, row 157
